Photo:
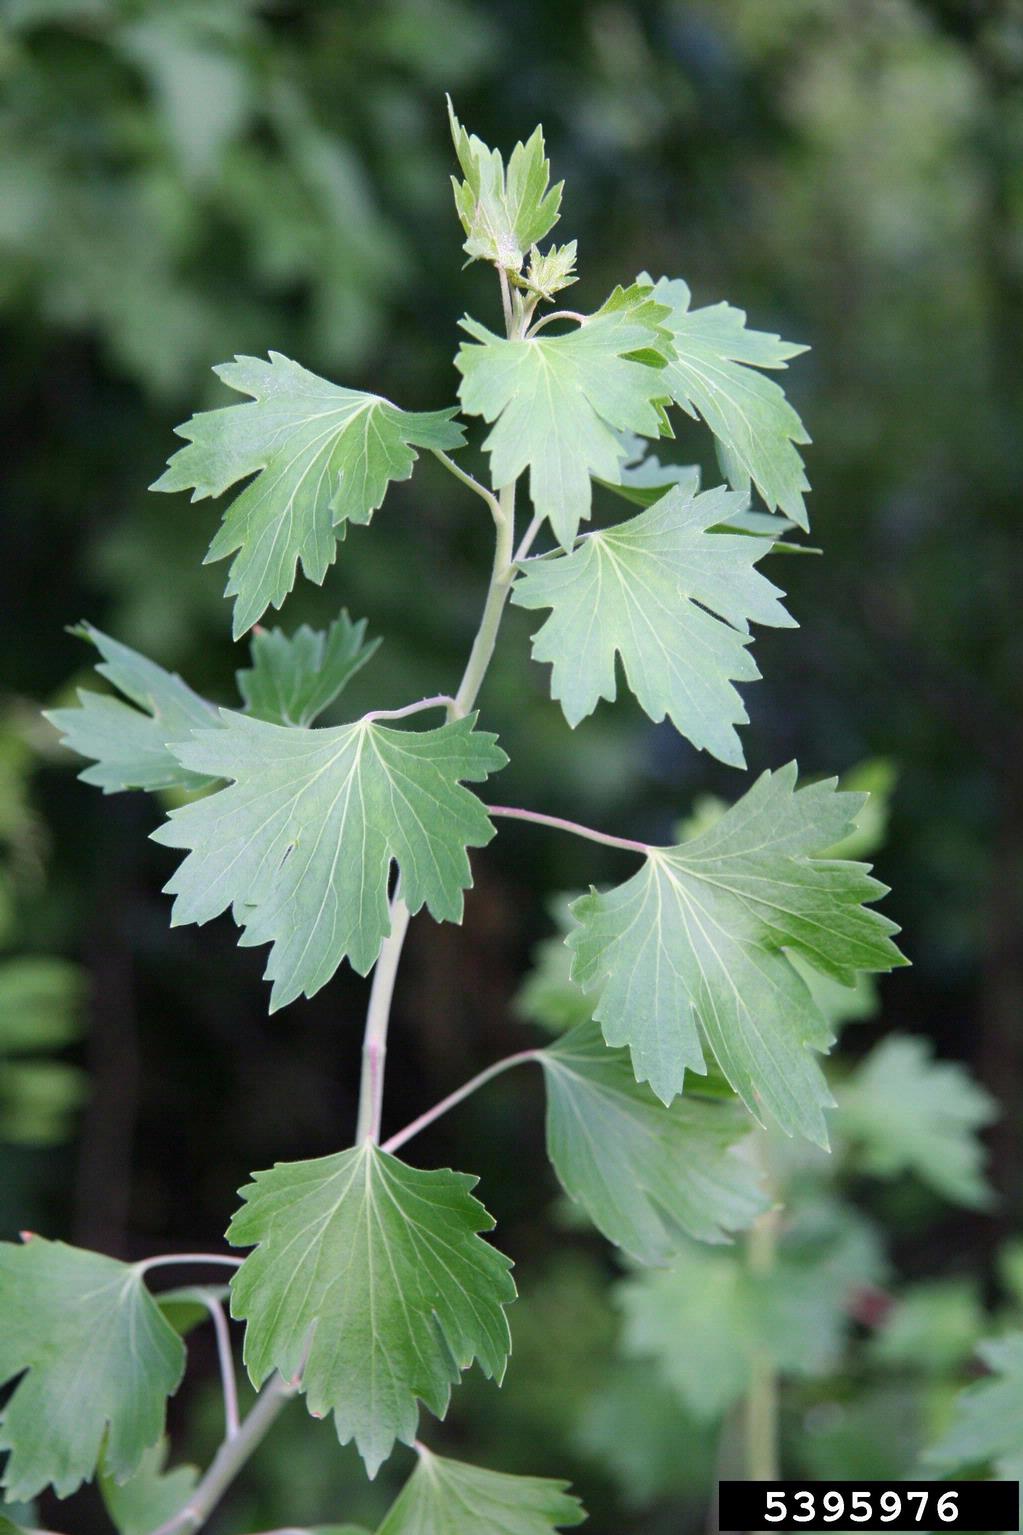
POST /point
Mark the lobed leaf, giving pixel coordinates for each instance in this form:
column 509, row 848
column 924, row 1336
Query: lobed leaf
column 674, row 601
column 986, row 1425
column 713, row 374
column 301, row 842
column 558, row 403
column 130, row 742
column 448, row 1497
column 904, row 1111
column 100, row 1362
column 503, row 212
column 695, row 947
column 294, row 678
column 644, row 1173
column 322, row 456
column 704, row 1321
column 370, row 1278
column 150, row 1497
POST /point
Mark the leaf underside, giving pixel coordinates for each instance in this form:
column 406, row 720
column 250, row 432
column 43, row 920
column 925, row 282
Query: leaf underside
column 322, row 456
column 374, row 1274
column 100, row 1359
column 300, row 843
column 694, row 948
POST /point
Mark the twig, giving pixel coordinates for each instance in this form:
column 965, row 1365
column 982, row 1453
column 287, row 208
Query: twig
column 560, row 824
column 456, row 1097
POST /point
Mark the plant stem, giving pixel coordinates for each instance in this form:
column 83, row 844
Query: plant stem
column 166, row 1259
column 225, row 1359
column 438, row 701
column 557, row 314
column 374, row 1045
column 501, row 577
column 374, row 1042
column 230, row 1458
column 762, row 1394
column 558, row 822
column 481, row 1077
column 527, row 538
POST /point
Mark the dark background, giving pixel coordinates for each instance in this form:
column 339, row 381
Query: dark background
column 182, row 182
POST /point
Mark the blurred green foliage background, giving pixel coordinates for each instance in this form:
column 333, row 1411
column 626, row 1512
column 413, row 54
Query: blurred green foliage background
column 180, row 182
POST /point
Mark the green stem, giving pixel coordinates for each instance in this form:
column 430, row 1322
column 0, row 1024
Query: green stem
column 230, row 1458
column 762, row 1394
column 374, row 1045
column 558, row 823
column 374, row 1042
column 460, row 1093
column 501, row 578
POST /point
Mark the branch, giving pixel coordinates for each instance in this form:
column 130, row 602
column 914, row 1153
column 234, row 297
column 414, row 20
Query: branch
column 374, row 1042
column 230, row 1458
column 166, row 1259
column 557, row 314
column 225, row 1359
column 559, row 824
column 438, row 701
column 457, row 1096
column 527, row 538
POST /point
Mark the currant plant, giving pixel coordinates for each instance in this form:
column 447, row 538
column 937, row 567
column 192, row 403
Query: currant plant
column 369, row 1284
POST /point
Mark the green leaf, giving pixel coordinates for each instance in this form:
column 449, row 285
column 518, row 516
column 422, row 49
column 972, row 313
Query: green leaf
column 447, row 1497
column 100, row 1360
column 323, row 456
column 301, row 842
column 644, row 479
column 130, row 746
column 933, row 1328
column 644, row 1173
column 397, row 1294
column 150, row 1497
column 674, row 601
column 551, row 271
column 904, row 1111
column 713, row 375
column 503, row 212
column 705, row 1321
column 558, row 402
column 695, row 947
column 632, row 1428
column 987, row 1426
column 293, row 678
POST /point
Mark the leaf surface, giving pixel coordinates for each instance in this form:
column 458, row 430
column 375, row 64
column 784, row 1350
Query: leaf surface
column 705, row 1320
column 149, row 1498
column 301, row 841
column 503, row 211
column 674, row 601
column 987, row 1425
column 714, row 375
column 129, row 742
column 643, row 1172
column 557, row 403
column 100, row 1359
column 904, row 1111
column 448, row 1497
column 294, row 677
column 694, row 947
column 323, row 456
column 377, row 1270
